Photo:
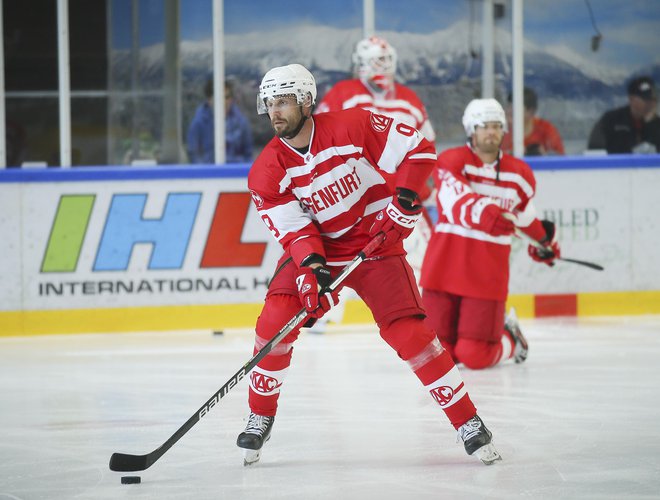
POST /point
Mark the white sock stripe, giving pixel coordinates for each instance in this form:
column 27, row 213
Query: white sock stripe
column 430, row 352
column 279, row 350
column 448, row 389
column 266, row 382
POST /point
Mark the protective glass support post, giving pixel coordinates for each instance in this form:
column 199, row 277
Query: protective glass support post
column 518, row 77
column 219, row 80
column 488, row 51
column 171, row 135
column 64, row 81
column 3, row 144
column 368, row 18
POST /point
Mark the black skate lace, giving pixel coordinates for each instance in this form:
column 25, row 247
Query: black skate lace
column 257, row 424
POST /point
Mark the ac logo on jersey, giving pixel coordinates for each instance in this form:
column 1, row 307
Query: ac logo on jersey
column 380, row 123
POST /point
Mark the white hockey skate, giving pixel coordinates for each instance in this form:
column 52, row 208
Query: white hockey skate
column 477, row 440
column 521, row 348
column 252, row 439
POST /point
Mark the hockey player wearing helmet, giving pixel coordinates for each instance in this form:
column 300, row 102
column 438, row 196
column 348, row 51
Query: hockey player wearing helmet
column 483, row 194
column 325, row 186
column 374, row 88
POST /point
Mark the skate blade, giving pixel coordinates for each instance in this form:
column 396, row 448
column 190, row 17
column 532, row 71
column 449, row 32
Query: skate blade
column 251, row 457
column 488, row 454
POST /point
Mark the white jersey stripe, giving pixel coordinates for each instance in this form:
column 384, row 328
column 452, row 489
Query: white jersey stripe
column 424, row 156
column 376, row 206
column 321, row 157
column 397, row 148
column 289, row 218
column 384, row 106
column 475, row 234
column 490, row 173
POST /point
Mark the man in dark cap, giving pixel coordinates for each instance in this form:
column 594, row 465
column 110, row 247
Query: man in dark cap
column 634, row 128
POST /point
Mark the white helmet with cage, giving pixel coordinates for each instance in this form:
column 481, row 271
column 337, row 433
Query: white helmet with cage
column 293, row 79
column 374, row 60
column 481, row 111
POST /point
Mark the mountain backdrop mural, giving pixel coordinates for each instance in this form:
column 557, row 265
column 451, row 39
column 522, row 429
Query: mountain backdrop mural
column 440, row 66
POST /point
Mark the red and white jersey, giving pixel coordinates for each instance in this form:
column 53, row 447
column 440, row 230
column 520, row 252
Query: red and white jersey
column 460, row 258
column 402, row 104
column 324, row 201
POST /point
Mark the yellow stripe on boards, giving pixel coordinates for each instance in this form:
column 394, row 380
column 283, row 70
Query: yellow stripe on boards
column 618, row 303
column 129, row 319
column 218, row 317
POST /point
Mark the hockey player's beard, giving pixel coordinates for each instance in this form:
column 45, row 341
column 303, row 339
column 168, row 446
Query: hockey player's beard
column 487, row 146
column 290, row 131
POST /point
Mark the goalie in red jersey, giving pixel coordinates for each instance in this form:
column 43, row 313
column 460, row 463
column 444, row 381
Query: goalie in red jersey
column 324, row 187
column 374, row 88
column 483, row 194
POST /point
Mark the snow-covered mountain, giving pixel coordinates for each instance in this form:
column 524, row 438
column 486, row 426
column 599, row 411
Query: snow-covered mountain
column 443, row 67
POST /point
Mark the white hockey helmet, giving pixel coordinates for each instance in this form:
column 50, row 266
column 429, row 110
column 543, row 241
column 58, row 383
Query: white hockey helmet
column 374, row 58
column 480, row 111
column 293, row 79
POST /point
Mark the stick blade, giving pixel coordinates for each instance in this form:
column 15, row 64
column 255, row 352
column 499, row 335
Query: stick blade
column 122, row 462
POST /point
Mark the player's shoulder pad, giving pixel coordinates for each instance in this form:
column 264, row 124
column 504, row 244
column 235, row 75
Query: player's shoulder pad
column 452, row 155
column 407, row 93
column 511, row 163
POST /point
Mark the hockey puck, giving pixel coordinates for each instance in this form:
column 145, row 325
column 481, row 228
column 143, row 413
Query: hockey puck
column 218, row 332
column 131, row 480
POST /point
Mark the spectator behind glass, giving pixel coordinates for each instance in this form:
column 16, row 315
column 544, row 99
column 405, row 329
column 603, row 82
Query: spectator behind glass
column 634, row 128
column 201, row 139
column 541, row 136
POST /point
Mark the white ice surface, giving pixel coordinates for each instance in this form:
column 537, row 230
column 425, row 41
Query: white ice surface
column 579, row 420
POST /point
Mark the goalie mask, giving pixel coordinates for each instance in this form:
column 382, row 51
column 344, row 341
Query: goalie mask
column 374, row 62
column 481, row 111
column 293, row 79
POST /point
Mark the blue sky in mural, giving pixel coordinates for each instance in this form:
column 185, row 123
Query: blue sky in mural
column 630, row 29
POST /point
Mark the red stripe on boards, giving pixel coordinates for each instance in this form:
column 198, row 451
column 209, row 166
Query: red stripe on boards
column 555, row 305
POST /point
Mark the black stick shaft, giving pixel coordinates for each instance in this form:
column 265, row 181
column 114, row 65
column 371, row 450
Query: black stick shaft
column 591, row 265
column 125, row 462
column 535, row 243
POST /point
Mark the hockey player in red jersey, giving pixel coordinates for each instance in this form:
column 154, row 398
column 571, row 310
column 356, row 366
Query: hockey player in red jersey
column 325, row 186
column 374, row 88
column 482, row 196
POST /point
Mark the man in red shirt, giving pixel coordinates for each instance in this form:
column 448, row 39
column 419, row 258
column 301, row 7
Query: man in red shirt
column 324, row 187
column 541, row 136
column 482, row 195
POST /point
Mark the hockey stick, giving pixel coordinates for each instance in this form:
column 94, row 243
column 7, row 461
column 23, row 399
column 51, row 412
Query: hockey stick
column 535, row 243
column 125, row 462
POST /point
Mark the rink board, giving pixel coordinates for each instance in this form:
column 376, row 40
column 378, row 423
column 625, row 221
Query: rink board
column 122, row 249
